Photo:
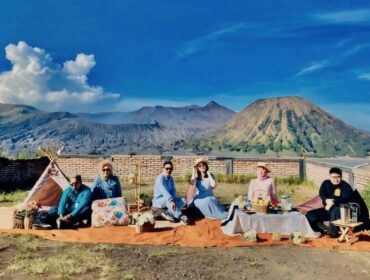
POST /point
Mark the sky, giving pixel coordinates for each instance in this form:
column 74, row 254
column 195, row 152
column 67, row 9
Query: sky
column 94, row 56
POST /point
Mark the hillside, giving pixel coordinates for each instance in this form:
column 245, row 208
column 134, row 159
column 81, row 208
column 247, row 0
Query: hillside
column 289, row 125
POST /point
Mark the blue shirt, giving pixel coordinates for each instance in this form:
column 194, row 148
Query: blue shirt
column 164, row 189
column 102, row 189
column 74, row 200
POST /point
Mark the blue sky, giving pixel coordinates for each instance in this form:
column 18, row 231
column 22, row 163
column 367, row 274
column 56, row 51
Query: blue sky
column 121, row 55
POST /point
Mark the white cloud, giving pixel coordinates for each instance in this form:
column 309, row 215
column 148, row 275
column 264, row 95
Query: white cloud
column 364, row 76
column 313, row 67
column 35, row 79
column 203, row 42
column 348, row 16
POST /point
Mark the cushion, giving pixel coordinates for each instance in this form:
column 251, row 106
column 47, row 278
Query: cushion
column 109, row 212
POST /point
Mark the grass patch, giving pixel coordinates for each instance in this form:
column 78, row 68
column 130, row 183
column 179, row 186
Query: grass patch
column 76, row 262
column 229, row 186
column 164, row 253
column 12, row 198
column 366, row 195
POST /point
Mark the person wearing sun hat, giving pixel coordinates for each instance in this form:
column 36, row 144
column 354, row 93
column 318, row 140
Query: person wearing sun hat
column 203, row 183
column 263, row 186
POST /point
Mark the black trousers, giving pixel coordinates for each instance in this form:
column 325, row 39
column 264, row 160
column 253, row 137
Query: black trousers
column 83, row 214
column 317, row 216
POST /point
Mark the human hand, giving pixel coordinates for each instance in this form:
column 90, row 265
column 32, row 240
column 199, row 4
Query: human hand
column 173, row 206
column 329, row 203
column 195, row 173
column 68, row 218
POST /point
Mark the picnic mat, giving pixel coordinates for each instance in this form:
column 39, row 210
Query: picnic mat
column 204, row 233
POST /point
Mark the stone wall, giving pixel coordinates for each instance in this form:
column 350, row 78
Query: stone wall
column 20, row 174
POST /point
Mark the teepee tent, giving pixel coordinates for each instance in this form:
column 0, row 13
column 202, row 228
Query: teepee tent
column 49, row 187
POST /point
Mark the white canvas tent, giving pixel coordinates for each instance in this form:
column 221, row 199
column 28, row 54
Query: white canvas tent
column 50, row 185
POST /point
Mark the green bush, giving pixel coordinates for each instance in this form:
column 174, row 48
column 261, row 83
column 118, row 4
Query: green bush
column 366, row 195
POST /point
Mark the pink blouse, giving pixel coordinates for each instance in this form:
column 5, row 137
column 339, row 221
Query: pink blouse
column 264, row 188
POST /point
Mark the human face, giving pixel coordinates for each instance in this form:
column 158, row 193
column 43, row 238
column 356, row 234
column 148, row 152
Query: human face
column 202, row 167
column 167, row 170
column 106, row 171
column 335, row 178
column 261, row 172
column 76, row 185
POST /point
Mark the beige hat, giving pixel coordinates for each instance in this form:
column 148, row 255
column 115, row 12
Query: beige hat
column 199, row 160
column 263, row 165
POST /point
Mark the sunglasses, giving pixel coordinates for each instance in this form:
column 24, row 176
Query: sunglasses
column 107, row 169
column 169, row 168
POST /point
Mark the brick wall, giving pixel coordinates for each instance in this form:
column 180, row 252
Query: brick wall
column 24, row 173
column 279, row 167
column 318, row 172
column 151, row 166
column 20, row 174
column 361, row 178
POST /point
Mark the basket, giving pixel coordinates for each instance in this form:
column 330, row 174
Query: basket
column 258, row 208
column 18, row 220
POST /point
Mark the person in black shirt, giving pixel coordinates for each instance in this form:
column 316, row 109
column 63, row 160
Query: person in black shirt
column 334, row 192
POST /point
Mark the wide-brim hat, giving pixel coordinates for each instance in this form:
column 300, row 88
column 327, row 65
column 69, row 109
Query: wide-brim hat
column 263, row 165
column 199, row 160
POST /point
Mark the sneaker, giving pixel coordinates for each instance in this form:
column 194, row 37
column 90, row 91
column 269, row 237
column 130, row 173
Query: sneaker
column 184, row 219
column 168, row 217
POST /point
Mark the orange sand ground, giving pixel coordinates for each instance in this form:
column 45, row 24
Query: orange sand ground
column 204, row 233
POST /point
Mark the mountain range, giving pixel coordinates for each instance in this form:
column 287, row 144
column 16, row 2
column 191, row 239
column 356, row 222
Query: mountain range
column 280, row 126
column 148, row 130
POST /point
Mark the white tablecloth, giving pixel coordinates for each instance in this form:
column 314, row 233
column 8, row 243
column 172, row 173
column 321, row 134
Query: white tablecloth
column 285, row 223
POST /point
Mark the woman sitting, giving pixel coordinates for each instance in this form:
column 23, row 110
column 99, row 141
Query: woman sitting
column 106, row 185
column 263, row 186
column 204, row 183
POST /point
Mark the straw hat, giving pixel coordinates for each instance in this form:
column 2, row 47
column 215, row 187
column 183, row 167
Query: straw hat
column 199, row 160
column 263, row 165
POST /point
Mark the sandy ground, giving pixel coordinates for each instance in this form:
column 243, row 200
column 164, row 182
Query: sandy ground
column 6, row 217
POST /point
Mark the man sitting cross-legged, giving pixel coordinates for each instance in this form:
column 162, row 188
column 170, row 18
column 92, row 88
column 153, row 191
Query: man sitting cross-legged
column 165, row 196
column 333, row 193
column 74, row 206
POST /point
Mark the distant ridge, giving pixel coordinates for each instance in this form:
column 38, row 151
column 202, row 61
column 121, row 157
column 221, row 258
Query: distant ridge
column 169, row 116
column 154, row 129
column 275, row 126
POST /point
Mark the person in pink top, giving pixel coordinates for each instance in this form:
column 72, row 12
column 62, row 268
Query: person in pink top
column 263, row 186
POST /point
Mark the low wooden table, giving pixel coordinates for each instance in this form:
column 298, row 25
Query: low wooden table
column 347, row 231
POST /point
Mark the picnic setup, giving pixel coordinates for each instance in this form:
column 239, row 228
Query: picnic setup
column 64, row 209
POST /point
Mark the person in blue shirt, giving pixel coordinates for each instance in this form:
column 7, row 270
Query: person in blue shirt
column 165, row 196
column 106, row 185
column 74, row 206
